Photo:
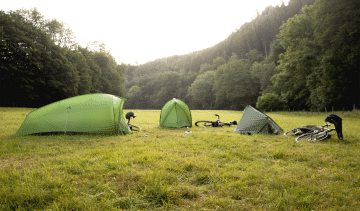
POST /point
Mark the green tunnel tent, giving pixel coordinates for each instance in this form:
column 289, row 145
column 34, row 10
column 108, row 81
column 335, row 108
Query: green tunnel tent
column 256, row 122
column 91, row 113
column 176, row 114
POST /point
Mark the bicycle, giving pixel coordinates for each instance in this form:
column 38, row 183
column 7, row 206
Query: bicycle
column 216, row 123
column 314, row 133
column 317, row 135
column 302, row 130
column 132, row 127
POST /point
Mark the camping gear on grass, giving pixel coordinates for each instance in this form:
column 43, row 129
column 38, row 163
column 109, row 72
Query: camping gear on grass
column 337, row 121
column 256, row 122
column 91, row 113
column 312, row 133
column 128, row 116
column 303, row 130
column 175, row 113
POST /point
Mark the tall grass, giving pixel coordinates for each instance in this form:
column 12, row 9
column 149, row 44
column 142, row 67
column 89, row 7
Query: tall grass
column 166, row 169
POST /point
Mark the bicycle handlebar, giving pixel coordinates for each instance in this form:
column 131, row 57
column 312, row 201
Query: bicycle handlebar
column 326, row 125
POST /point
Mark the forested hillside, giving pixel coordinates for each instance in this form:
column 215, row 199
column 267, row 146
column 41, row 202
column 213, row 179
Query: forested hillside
column 240, row 67
column 321, row 65
column 297, row 56
column 41, row 63
column 304, row 55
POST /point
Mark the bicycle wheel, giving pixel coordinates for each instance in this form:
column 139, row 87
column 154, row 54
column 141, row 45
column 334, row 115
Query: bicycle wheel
column 206, row 123
column 305, row 137
column 290, row 132
column 134, row 128
column 321, row 136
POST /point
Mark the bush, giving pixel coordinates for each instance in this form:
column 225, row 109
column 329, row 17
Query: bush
column 270, row 101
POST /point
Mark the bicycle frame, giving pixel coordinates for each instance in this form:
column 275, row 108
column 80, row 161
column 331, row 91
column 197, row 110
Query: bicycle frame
column 136, row 128
column 216, row 123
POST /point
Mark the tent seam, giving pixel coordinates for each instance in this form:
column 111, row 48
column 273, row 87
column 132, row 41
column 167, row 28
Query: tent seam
column 185, row 113
column 164, row 117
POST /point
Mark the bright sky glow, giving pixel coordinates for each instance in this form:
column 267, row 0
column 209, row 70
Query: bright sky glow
column 146, row 30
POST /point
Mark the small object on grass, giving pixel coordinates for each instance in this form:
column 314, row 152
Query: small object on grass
column 188, row 132
column 204, row 126
column 145, row 135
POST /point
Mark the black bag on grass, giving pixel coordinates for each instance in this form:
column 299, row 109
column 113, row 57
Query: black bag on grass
column 337, row 121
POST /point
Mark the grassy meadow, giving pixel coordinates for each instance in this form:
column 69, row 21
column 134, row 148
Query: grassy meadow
column 166, row 169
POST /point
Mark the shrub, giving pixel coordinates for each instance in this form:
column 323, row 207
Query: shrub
column 270, row 101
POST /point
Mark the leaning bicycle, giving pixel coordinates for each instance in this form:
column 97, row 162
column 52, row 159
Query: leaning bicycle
column 132, row 127
column 216, row 123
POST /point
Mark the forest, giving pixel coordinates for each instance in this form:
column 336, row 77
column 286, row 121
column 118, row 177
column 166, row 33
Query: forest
column 41, row 63
column 303, row 55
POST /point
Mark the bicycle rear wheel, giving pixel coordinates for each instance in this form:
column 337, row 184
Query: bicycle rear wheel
column 205, row 123
column 321, row 136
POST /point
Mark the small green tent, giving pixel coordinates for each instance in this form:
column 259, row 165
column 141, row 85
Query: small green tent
column 254, row 121
column 91, row 113
column 175, row 113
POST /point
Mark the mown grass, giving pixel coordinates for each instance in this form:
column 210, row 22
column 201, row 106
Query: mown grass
column 166, row 169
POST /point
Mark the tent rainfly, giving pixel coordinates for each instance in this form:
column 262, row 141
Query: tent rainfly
column 256, row 122
column 91, row 113
column 175, row 113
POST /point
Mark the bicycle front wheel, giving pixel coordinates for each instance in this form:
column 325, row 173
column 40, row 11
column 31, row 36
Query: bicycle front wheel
column 205, row 123
column 309, row 137
column 134, row 128
column 290, row 132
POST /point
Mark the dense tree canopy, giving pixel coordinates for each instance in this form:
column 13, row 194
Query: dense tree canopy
column 320, row 66
column 235, row 85
column 33, row 69
column 201, row 91
column 40, row 63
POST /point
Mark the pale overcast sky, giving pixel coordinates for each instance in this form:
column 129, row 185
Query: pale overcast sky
column 145, row 30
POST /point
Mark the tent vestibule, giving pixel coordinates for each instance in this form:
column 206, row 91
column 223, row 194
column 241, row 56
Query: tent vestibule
column 256, row 122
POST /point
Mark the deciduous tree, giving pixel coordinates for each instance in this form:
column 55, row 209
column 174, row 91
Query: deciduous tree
column 201, row 91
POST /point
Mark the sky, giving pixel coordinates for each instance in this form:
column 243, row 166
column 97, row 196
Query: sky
column 139, row 31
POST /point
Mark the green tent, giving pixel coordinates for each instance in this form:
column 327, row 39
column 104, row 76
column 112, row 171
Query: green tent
column 254, row 121
column 175, row 113
column 91, row 113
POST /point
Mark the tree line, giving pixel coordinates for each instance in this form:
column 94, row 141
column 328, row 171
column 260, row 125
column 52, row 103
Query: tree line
column 41, row 63
column 321, row 64
column 304, row 55
column 229, row 75
column 301, row 56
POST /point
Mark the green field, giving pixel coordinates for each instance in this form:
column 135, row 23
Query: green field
column 166, row 169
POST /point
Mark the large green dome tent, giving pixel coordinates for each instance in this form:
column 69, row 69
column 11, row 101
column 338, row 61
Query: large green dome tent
column 256, row 122
column 91, row 113
column 175, row 113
